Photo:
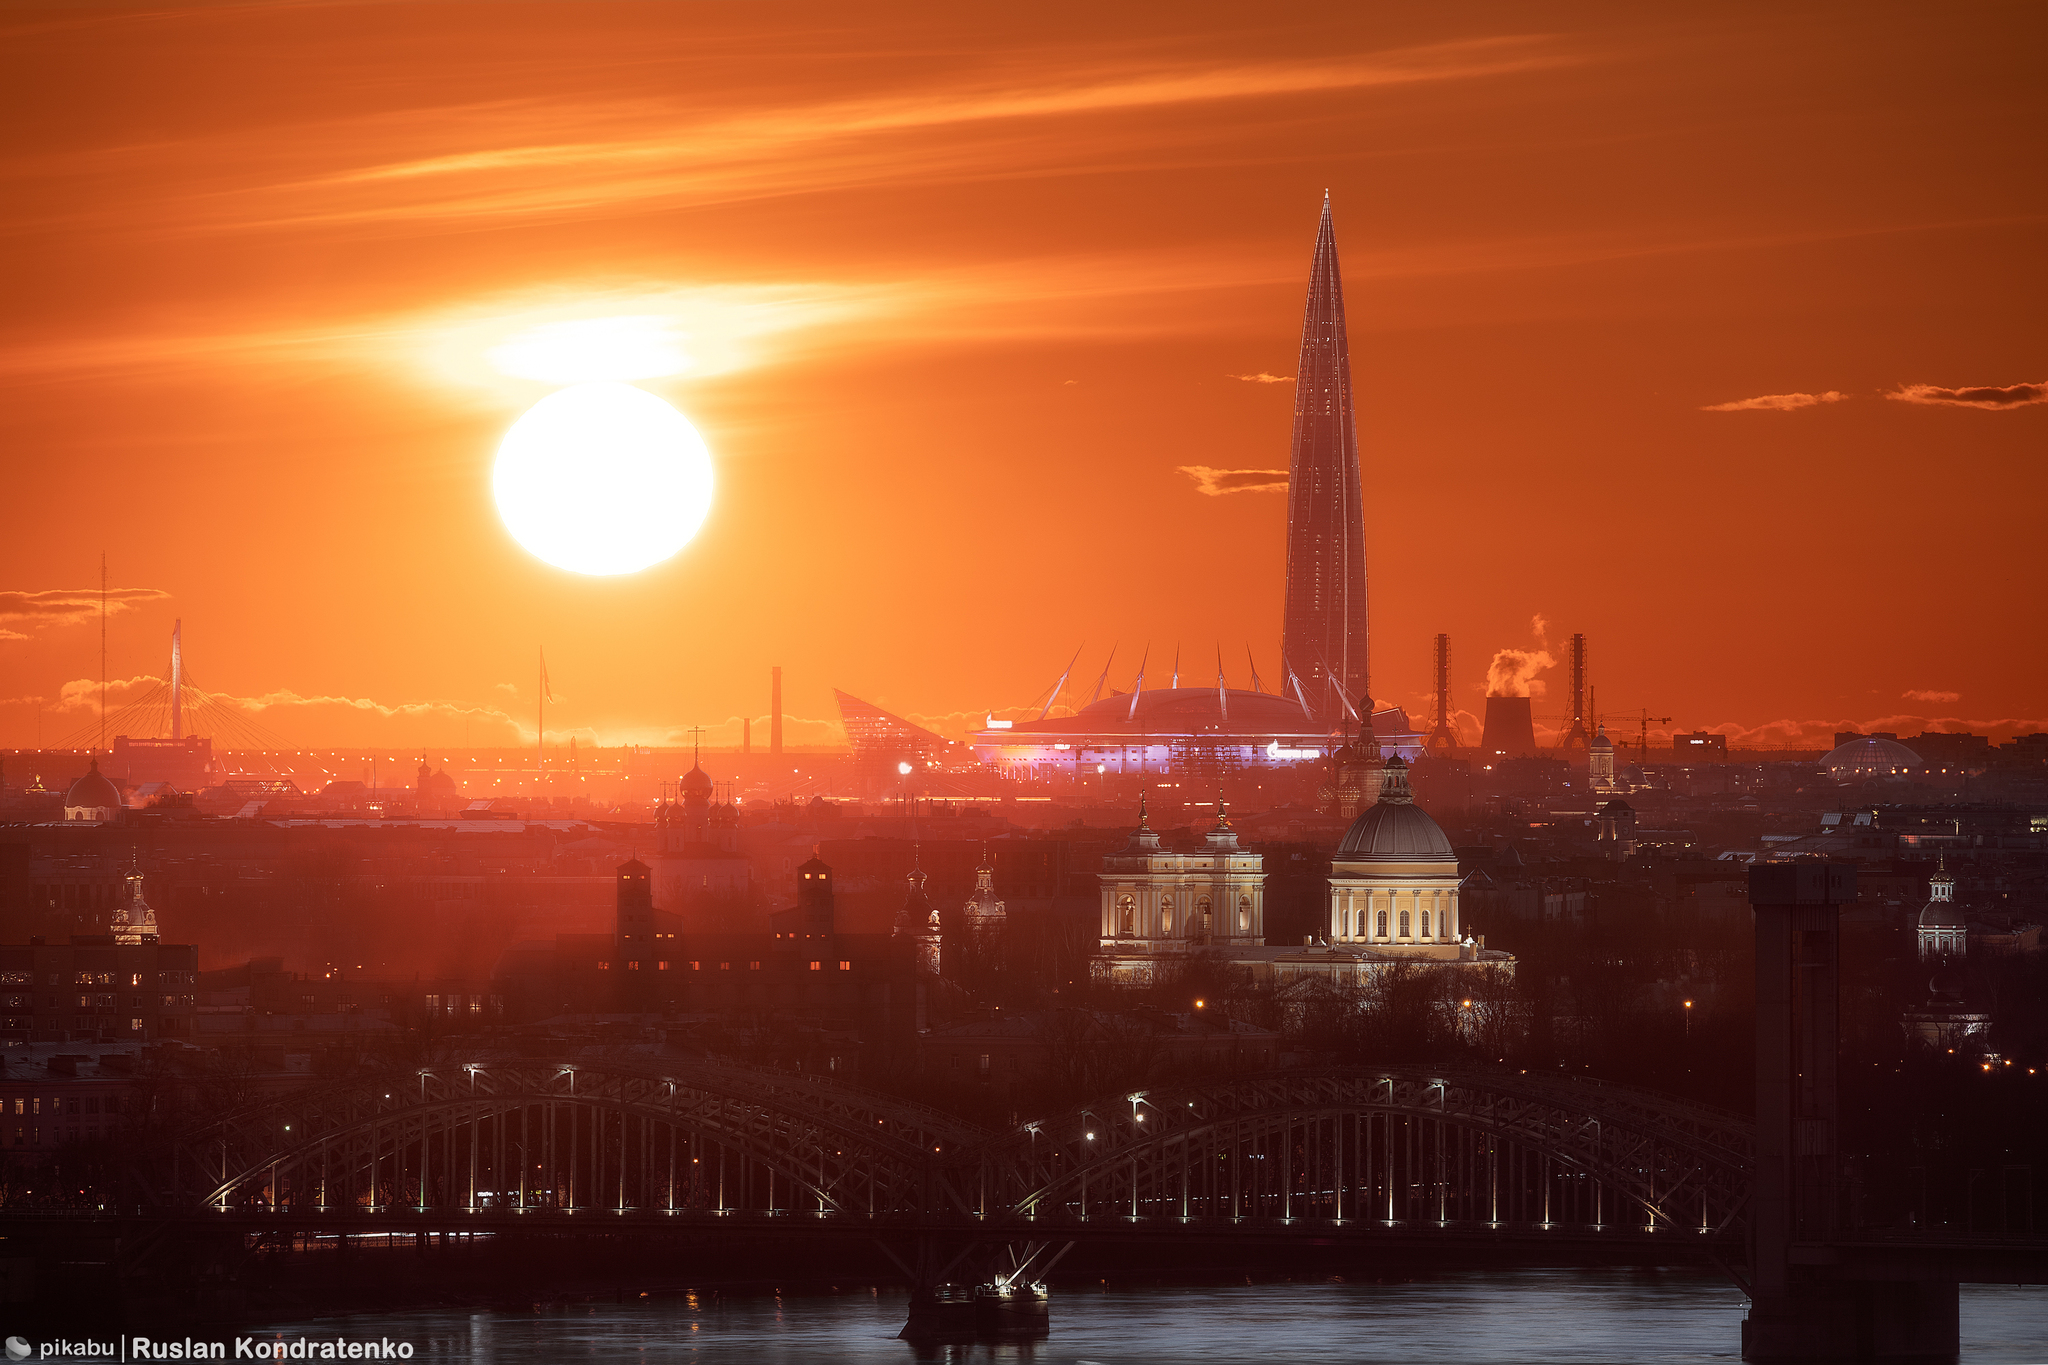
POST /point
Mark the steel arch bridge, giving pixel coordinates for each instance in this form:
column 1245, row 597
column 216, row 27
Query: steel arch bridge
column 1399, row 1146
column 527, row 1135
column 1363, row 1148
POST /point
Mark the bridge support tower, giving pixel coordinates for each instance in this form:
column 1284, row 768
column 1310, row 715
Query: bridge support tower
column 1799, row 1309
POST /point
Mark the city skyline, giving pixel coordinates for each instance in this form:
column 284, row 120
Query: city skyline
column 936, row 298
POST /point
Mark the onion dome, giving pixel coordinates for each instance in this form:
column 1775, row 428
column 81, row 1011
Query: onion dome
column 1870, row 757
column 1396, row 830
column 696, row 782
column 93, row 791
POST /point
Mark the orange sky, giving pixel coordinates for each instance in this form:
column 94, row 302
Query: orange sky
column 967, row 287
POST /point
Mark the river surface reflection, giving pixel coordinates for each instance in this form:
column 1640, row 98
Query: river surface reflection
column 1496, row 1316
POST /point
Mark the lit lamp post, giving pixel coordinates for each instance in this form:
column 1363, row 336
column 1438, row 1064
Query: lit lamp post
column 1688, row 1018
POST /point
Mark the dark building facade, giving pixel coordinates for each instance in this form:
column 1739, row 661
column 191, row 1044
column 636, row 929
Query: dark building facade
column 1323, row 631
column 94, row 990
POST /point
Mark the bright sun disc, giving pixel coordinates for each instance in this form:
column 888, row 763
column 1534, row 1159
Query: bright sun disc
column 602, row 478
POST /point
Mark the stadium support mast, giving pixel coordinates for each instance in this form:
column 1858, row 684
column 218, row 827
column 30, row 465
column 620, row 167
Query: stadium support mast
column 177, row 681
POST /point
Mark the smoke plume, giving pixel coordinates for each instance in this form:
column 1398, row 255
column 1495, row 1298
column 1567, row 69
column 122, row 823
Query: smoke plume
column 1513, row 672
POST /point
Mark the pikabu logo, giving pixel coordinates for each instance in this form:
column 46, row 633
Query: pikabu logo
column 19, row 1349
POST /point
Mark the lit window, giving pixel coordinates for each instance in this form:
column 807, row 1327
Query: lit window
column 725, row 966
column 604, row 966
column 817, row 966
column 661, row 966
column 695, row 966
column 753, row 966
column 845, row 966
column 632, row 966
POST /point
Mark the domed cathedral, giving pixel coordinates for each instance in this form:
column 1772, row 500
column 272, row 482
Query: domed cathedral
column 1394, row 880
column 1393, row 898
column 93, row 798
column 1942, row 930
column 1161, row 904
column 699, row 871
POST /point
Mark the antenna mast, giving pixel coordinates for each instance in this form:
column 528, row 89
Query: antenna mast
column 103, row 651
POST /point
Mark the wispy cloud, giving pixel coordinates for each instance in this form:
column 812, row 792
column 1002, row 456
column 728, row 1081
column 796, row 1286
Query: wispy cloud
column 523, row 158
column 1216, row 482
column 70, row 606
column 1777, row 402
column 1990, row 399
column 1262, row 378
column 719, row 329
column 1918, row 695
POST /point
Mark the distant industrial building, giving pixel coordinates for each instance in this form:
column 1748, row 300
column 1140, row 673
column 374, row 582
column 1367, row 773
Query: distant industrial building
column 1510, row 730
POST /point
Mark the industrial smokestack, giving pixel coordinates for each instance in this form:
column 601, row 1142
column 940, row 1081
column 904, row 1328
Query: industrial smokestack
column 1444, row 738
column 775, row 709
column 1510, row 728
column 1578, row 739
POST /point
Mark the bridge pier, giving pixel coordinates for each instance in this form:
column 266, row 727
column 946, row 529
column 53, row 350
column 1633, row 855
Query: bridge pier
column 1799, row 1311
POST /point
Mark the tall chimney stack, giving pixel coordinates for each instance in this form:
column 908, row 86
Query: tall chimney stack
column 775, row 709
column 1578, row 739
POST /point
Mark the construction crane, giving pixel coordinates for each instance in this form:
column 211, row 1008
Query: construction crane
column 1648, row 721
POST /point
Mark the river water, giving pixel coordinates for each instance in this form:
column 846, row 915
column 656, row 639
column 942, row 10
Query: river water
column 1495, row 1316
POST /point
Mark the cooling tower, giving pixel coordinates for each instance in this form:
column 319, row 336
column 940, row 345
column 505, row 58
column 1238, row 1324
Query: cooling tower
column 1510, row 729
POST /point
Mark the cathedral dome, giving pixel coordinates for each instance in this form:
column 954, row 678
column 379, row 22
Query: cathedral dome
column 696, row 782
column 1870, row 757
column 1601, row 743
column 93, row 791
column 1395, row 829
column 1941, row 914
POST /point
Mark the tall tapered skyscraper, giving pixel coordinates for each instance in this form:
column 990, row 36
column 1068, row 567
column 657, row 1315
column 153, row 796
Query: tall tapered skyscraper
column 1322, row 634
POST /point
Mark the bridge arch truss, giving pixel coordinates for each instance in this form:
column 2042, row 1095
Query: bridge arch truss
column 572, row 1136
column 1401, row 1147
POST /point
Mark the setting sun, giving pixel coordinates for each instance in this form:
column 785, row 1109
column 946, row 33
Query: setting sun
column 602, row 478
